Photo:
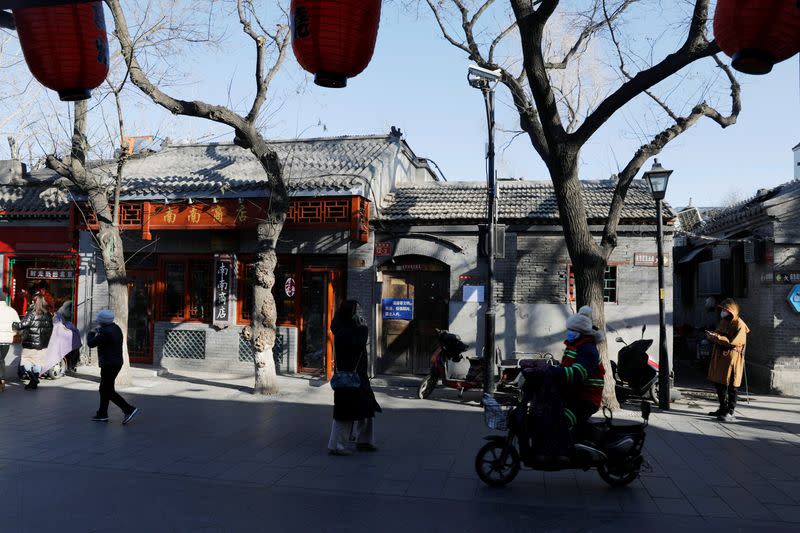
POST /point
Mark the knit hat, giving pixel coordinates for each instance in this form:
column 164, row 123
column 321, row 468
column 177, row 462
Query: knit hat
column 582, row 322
column 66, row 310
column 106, row 316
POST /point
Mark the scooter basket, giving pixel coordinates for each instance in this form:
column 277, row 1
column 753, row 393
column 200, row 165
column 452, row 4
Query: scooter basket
column 496, row 411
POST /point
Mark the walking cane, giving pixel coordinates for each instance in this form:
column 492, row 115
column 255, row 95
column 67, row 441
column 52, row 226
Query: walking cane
column 744, row 365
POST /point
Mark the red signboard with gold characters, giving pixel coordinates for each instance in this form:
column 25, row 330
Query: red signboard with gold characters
column 224, row 214
column 304, row 213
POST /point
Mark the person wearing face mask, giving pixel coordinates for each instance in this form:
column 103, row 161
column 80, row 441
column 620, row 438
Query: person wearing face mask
column 727, row 358
column 565, row 396
column 583, row 371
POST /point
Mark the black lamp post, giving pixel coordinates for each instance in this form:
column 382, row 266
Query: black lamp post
column 485, row 80
column 657, row 179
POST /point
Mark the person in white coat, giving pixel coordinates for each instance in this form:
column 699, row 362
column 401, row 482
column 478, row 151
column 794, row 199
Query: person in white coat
column 9, row 321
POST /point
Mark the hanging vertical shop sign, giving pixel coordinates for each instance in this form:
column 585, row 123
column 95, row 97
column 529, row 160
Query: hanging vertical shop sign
column 223, row 268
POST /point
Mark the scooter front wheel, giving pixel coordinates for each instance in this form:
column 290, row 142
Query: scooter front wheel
column 497, row 463
column 618, row 475
column 426, row 386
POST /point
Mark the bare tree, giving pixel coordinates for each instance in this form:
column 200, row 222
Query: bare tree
column 86, row 168
column 555, row 119
column 269, row 45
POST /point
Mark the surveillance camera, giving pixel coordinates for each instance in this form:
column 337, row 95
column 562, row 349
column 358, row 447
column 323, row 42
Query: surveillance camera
column 483, row 73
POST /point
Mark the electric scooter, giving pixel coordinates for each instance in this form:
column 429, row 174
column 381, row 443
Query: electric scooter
column 614, row 448
column 635, row 374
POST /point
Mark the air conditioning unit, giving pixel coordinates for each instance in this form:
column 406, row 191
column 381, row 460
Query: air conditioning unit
column 689, row 218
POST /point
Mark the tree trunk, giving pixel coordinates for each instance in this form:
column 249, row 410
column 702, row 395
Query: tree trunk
column 588, row 261
column 265, row 312
column 111, row 250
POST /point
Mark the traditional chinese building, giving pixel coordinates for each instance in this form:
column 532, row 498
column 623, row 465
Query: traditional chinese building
column 750, row 252
column 189, row 216
column 37, row 244
column 369, row 221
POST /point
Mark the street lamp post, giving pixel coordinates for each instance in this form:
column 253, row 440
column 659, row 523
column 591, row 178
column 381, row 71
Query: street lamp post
column 485, row 80
column 657, row 179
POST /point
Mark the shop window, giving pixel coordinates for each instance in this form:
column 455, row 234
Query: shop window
column 187, row 290
column 284, row 293
column 609, row 285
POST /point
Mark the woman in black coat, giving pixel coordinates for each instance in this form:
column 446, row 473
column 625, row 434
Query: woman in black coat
column 353, row 408
column 37, row 327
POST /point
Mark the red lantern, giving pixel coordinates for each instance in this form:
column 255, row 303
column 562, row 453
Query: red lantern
column 334, row 39
column 757, row 33
column 65, row 46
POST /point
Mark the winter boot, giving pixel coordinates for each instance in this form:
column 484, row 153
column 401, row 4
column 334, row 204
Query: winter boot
column 34, row 381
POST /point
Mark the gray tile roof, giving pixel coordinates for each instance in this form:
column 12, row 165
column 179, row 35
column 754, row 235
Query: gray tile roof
column 748, row 209
column 33, row 202
column 312, row 167
column 518, row 201
column 320, row 166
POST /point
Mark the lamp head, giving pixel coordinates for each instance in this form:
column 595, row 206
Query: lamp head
column 657, row 179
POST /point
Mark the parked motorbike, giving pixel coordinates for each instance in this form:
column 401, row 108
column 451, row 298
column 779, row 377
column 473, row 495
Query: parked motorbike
column 635, row 374
column 613, row 447
column 444, row 366
column 447, row 365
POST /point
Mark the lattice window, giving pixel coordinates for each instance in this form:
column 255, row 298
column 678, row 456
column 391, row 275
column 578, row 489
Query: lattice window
column 130, row 214
column 246, row 350
column 320, row 211
column 609, row 285
column 185, row 344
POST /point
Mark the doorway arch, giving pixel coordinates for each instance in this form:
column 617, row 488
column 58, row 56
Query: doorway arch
column 415, row 301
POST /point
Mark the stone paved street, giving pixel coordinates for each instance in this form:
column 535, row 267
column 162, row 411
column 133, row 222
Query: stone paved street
column 205, row 455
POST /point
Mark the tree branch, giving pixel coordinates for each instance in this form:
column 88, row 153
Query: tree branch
column 531, row 26
column 194, row 108
column 445, row 33
column 654, row 147
column 503, row 34
column 695, row 47
column 588, row 31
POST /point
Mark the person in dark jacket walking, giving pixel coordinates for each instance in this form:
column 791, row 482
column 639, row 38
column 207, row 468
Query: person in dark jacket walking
column 353, row 408
column 37, row 326
column 107, row 338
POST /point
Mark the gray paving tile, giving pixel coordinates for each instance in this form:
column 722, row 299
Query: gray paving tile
column 661, row 487
column 712, row 507
column 679, row 506
column 787, row 513
column 744, row 504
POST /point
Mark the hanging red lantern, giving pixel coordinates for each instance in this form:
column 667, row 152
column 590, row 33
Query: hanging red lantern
column 756, row 34
column 334, row 39
column 65, row 46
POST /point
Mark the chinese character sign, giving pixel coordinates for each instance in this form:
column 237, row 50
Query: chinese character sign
column 223, row 268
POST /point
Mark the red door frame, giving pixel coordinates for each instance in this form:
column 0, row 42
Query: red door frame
column 153, row 274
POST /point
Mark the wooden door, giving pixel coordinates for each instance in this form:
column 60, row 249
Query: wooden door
column 141, row 314
column 321, row 293
column 409, row 343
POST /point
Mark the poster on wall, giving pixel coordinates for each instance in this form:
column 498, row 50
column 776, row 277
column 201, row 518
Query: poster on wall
column 398, row 308
column 223, row 270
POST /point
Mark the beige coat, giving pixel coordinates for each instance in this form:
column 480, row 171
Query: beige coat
column 7, row 317
column 727, row 356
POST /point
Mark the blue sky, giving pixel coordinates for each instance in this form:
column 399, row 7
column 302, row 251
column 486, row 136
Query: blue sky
column 417, row 82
